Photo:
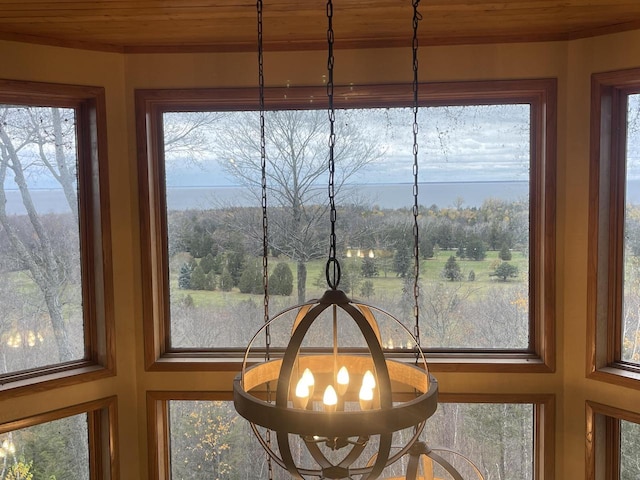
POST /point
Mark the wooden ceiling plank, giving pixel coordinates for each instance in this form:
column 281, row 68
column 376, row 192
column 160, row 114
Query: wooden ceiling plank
column 136, row 25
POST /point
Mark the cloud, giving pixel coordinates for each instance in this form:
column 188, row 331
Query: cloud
column 463, row 143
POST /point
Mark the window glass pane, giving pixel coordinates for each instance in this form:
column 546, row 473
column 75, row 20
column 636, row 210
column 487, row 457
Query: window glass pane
column 209, row 440
column 52, row 450
column 474, row 165
column 629, row 450
column 498, row 437
column 40, row 284
column 631, row 301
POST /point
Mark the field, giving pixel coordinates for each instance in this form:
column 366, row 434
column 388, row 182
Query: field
column 386, row 280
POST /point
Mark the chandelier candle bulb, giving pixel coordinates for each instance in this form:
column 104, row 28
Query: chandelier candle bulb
column 342, row 381
column 309, row 380
column 330, row 399
column 301, row 398
column 366, row 398
column 368, row 380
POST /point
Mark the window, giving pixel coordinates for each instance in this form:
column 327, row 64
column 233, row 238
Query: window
column 201, row 436
column 629, row 450
column 55, row 281
column 73, row 443
column 613, row 443
column 487, row 222
column 614, row 281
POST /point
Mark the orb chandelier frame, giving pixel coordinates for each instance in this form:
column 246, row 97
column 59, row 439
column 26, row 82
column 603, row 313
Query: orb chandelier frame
column 320, row 417
column 329, row 426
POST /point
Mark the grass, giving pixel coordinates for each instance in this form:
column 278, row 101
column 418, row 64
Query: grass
column 430, row 272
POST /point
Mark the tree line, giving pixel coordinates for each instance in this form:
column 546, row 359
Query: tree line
column 220, row 256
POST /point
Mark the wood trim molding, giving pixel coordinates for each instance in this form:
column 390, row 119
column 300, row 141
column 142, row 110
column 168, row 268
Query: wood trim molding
column 606, row 228
column 540, row 93
column 102, row 425
column 602, row 440
column 158, row 426
column 544, row 425
column 94, row 232
column 157, row 437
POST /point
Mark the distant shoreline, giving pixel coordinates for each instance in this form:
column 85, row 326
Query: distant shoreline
column 448, row 194
column 372, row 184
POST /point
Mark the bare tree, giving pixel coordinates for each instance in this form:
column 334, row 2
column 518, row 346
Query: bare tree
column 500, row 318
column 36, row 141
column 187, row 135
column 297, row 161
column 443, row 311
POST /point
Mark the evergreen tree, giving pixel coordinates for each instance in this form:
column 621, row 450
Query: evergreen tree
column 505, row 253
column 196, row 236
column 367, row 289
column 369, row 267
column 207, row 263
column 475, row 249
column 226, row 281
column 472, row 276
column 198, row 279
column 426, row 247
column 402, row 260
column 504, row 271
column 451, row 270
column 235, row 265
column 210, row 281
column 350, row 279
column 281, row 280
column 251, row 278
column 184, row 279
column 218, row 265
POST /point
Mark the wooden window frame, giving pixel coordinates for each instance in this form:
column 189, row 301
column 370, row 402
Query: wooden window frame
column 605, row 269
column 602, row 440
column 540, row 93
column 543, row 428
column 102, row 421
column 94, row 233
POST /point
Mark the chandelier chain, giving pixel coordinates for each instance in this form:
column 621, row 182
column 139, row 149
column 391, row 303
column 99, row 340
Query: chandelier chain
column 263, row 167
column 265, row 223
column 333, row 267
column 416, row 243
column 263, row 176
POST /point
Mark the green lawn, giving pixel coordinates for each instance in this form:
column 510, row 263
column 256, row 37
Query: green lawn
column 430, row 271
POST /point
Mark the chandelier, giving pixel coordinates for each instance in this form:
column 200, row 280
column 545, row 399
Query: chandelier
column 352, row 409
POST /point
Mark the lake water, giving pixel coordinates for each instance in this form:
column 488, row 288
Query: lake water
column 444, row 194
column 382, row 195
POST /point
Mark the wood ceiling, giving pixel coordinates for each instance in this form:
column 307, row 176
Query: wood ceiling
column 137, row 26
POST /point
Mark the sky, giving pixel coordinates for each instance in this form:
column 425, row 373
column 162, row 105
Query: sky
column 456, row 144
